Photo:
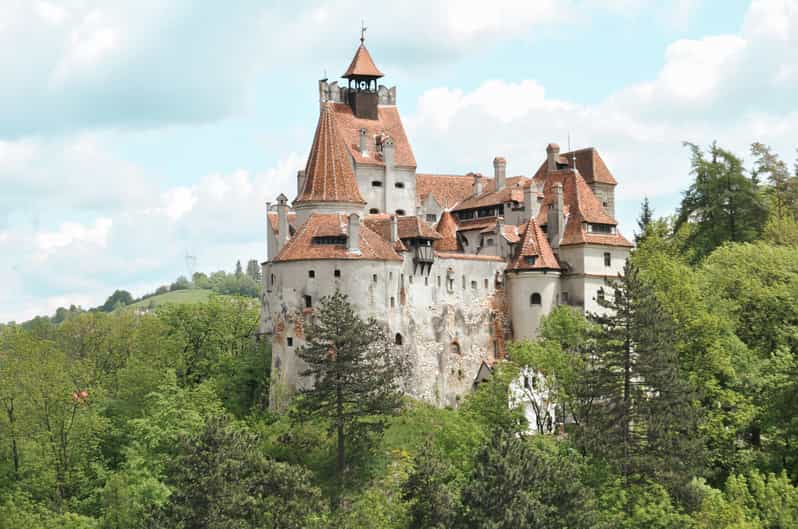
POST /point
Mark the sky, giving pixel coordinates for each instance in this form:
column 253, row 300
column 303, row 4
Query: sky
column 135, row 133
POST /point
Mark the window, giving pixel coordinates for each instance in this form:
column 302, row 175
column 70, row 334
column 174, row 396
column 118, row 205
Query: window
column 426, row 281
column 400, row 212
column 337, row 273
column 486, row 282
column 374, row 211
column 401, row 279
column 410, row 279
column 393, row 302
column 308, row 302
column 439, row 281
column 600, row 295
column 399, row 185
column 340, row 239
column 390, row 276
column 398, row 339
column 464, row 282
column 289, row 341
column 599, row 228
column 474, row 285
column 530, row 259
column 564, row 297
column 374, row 278
column 455, row 348
column 605, row 204
column 490, row 241
column 431, row 217
column 607, row 259
column 534, row 299
column 376, row 183
column 311, row 274
column 271, row 279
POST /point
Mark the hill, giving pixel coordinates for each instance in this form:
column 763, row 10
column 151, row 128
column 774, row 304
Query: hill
column 194, row 295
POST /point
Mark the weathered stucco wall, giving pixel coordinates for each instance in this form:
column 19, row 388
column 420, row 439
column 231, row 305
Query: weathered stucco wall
column 521, row 286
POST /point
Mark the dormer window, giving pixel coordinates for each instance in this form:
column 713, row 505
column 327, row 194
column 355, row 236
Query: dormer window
column 530, row 259
column 600, row 228
column 331, row 240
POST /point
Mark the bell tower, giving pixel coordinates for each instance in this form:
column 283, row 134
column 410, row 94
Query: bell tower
column 362, row 75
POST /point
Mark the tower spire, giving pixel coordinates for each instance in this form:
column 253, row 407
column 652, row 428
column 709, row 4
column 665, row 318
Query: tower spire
column 363, row 29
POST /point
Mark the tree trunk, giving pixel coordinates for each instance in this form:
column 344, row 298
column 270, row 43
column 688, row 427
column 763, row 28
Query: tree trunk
column 14, row 449
column 341, row 455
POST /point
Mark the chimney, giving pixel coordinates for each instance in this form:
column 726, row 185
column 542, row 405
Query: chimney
column 394, row 228
column 300, row 181
column 353, row 235
column 556, row 222
column 283, row 235
column 364, row 139
column 500, row 172
column 388, row 150
column 552, row 155
column 477, row 183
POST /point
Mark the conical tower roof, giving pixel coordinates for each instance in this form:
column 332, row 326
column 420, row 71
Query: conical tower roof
column 329, row 175
column 362, row 64
column 447, row 227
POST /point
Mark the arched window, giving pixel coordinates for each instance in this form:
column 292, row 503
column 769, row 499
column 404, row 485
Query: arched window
column 398, row 339
column 534, row 299
column 455, row 347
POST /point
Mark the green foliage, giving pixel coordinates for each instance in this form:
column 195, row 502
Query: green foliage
column 115, row 300
column 721, row 205
column 356, row 379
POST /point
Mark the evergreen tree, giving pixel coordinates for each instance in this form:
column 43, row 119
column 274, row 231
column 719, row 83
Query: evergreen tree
column 783, row 190
column 430, row 491
column 253, row 269
column 356, row 375
column 641, row 416
column 239, row 270
column 721, row 205
column 644, row 221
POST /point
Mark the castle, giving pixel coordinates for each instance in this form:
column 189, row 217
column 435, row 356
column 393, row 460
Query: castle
column 454, row 266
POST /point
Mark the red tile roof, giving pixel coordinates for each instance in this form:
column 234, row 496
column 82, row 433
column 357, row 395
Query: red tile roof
column 388, row 122
column 362, row 65
column 447, row 227
column 581, row 206
column 535, row 244
column 329, row 174
column 511, row 234
column 301, row 246
column 447, row 190
column 272, row 217
column 476, row 224
column 409, row 227
column 513, row 191
column 468, row 256
column 588, row 162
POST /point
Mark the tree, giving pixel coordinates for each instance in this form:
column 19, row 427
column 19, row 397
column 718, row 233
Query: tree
column 644, row 221
column 430, row 491
column 641, row 417
column 721, row 205
column 239, row 270
column 356, row 375
column 783, row 190
column 253, row 269
column 117, row 299
column 221, row 480
column 200, row 280
column 519, row 484
column 180, row 284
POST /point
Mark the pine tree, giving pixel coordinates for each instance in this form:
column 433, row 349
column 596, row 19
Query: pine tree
column 356, row 375
column 783, row 190
column 642, row 417
column 721, row 205
column 644, row 221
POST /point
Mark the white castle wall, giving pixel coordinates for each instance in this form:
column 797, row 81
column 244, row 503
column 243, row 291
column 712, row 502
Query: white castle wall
column 521, row 286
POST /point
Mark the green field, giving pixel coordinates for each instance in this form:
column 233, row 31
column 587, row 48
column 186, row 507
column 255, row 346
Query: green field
column 178, row 296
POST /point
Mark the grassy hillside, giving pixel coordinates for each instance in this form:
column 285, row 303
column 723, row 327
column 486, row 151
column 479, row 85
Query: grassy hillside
column 178, row 296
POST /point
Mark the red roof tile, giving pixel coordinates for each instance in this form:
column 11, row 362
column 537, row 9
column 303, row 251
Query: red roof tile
column 301, row 246
column 409, row 227
column 388, row 122
column 468, row 256
column 588, row 162
column 272, row 217
column 511, row 234
column 447, row 227
column 535, row 245
column 513, row 191
column 447, row 190
column 362, row 65
column 329, row 174
column 476, row 224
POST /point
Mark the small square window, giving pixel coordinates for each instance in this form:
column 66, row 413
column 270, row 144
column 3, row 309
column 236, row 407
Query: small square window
column 311, row 274
column 290, row 341
column 337, row 273
column 374, row 278
column 431, row 217
column 474, row 285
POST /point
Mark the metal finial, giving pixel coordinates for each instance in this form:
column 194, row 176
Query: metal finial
column 363, row 29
